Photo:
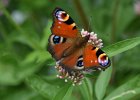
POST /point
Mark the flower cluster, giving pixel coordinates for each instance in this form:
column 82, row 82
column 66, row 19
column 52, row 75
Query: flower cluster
column 93, row 38
column 75, row 76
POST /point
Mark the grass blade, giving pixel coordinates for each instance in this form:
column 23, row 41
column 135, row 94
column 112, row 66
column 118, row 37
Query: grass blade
column 86, row 89
column 102, row 82
column 122, row 46
column 45, row 89
column 126, row 91
column 64, row 93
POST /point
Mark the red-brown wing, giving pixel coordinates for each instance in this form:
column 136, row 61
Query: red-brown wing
column 88, row 57
column 73, row 61
column 62, row 29
column 63, row 24
column 57, row 50
column 94, row 57
column 64, row 33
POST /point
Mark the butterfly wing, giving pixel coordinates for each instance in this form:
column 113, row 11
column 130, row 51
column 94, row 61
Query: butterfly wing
column 88, row 57
column 64, row 33
column 94, row 57
column 63, row 24
column 73, row 61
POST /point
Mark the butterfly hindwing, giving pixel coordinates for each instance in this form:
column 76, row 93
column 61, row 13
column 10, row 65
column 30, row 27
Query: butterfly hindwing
column 73, row 61
column 94, row 57
column 88, row 57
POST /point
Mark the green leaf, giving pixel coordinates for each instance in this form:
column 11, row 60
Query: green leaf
column 126, row 91
column 122, row 46
column 46, row 89
column 13, row 70
column 39, row 56
column 16, row 93
column 64, row 93
column 102, row 83
column 46, row 35
column 86, row 89
column 123, row 18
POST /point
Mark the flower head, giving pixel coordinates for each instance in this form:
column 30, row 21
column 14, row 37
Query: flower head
column 75, row 76
column 93, row 38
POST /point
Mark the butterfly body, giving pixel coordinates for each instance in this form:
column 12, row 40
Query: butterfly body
column 79, row 42
column 72, row 50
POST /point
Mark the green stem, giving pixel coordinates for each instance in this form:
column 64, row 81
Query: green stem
column 114, row 21
column 3, row 33
column 114, row 28
column 7, row 42
column 82, row 14
column 86, row 83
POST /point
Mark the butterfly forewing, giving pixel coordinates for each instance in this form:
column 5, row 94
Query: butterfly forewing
column 63, row 24
column 64, row 33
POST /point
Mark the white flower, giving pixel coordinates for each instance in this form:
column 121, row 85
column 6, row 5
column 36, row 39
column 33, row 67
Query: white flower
column 93, row 38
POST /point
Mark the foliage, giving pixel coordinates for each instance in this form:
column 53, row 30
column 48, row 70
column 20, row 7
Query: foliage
column 26, row 68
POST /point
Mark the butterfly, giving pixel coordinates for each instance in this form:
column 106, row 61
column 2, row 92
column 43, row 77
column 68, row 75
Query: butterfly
column 71, row 49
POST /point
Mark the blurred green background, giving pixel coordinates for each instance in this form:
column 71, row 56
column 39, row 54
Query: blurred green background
column 27, row 69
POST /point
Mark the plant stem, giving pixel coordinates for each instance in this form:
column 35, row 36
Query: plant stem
column 3, row 33
column 114, row 21
column 114, row 28
column 90, row 95
column 82, row 14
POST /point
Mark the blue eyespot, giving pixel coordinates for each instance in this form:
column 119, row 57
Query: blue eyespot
column 56, row 39
column 80, row 63
column 103, row 60
column 104, row 63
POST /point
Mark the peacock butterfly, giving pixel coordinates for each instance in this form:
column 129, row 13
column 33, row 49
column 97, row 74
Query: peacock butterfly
column 73, row 50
